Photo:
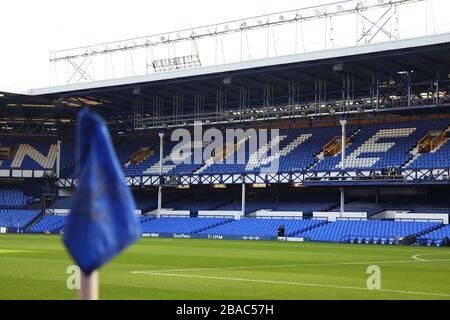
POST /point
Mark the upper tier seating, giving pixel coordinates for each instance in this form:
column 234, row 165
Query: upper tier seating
column 368, row 231
column 292, row 150
column 436, row 159
column 372, row 147
column 13, row 197
column 30, row 154
column 381, row 146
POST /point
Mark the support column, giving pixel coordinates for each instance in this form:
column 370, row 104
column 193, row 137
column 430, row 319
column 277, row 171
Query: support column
column 342, row 189
column 343, row 143
column 343, row 122
column 409, row 88
column 377, row 195
column 58, row 158
column 243, row 197
column 161, row 146
column 436, row 97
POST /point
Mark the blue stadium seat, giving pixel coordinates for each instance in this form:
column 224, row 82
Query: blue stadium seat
column 365, row 231
column 263, row 227
column 49, row 224
column 17, row 218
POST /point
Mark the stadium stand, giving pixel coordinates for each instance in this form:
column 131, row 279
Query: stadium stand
column 67, row 168
column 296, row 151
column 143, row 202
column 181, row 225
column 429, row 203
column 30, row 155
column 368, row 231
column 13, row 197
column 373, row 147
column 293, row 202
column 17, row 218
column 195, row 206
column 251, row 205
column 435, row 237
column 382, row 146
column 62, row 203
column 48, row 224
column 263, row 227
column 397, row 139
column 361, row 206
column 434, row 160
column 146, row 203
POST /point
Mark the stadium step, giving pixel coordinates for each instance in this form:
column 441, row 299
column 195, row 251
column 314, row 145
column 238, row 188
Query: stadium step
column 34, row 221
column 322, row 154
column 431, row 230
column 222, row 156
column 213, row 226
column 431, row 145
column 297, row 232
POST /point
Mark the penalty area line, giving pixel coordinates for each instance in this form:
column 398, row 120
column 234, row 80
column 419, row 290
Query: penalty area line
column 293, row 283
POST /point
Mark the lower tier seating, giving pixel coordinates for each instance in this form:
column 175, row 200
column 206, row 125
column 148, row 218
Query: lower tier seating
column 263, row 227
column 349, row 231
column 49, row 223
column 181, row 225
column 17, row 218
column 368, row 231
column 435, row 237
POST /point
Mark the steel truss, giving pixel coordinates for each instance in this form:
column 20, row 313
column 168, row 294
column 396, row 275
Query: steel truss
column 382, row 94
column 329, row 178
column 376, row 20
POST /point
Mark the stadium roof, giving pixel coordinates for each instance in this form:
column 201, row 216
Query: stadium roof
column 247, row 65
column 115, row 99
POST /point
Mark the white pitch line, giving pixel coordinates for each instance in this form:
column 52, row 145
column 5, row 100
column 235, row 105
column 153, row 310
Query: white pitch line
column 416, row 256
column 290, row 265
column 297, row 284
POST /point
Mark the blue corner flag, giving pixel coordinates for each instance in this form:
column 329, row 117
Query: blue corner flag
column 101, row 222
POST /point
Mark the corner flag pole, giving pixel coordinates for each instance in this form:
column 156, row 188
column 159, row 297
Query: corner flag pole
column 89, row 286
column 101, row 223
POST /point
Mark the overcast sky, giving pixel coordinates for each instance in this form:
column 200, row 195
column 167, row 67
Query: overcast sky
column 31, row 29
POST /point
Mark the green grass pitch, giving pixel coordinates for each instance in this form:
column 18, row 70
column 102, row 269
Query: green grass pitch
column 35, row 267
